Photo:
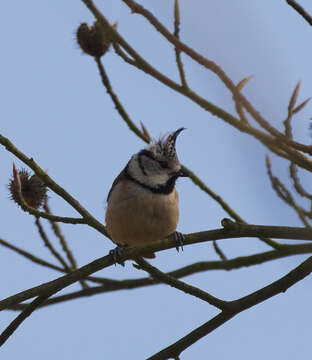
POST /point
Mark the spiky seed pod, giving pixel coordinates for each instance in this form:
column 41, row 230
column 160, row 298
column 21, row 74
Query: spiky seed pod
column 33, row 189
column 92, row 39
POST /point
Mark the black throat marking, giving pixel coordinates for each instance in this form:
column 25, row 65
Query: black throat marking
column 165, row 189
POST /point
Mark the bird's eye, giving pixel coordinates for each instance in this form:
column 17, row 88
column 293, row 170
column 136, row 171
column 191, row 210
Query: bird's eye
column 163, row 164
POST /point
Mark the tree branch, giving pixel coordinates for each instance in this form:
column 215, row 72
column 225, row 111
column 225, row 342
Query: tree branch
column 270, row 142
column 300, row 10
column 231, row 230
column 55, row 253
column 87, row 217
column 48, row 244
column 21, row 317
column 119, row 107
column 30, row 256
column 218, row 251
column 176, row 50
column 279, row 286
column 210, row 65
column 180, row 285
column 57, row 231
column 231, row 264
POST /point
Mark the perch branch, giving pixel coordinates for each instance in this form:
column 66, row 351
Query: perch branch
column 231, row 264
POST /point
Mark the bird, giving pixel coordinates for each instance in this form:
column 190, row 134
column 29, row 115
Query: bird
column 143, row 203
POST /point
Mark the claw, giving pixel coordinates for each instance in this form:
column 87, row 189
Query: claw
column 179, row 238
column 116, row 254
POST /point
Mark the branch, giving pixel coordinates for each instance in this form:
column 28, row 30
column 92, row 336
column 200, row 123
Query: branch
column 57, row 231
column 296, row 182
column 273, row 144
column 176, row 50
column 238, row 105
column 48, row 244
column 180, row 285
column 231, row 230
column 285, row 194
column 119, row 107
column 218, row 251
column 87, row 217
column 225, row 206
column 55, row 253
column 30, row 256
column 210, row 65
column 279, row 286
column 40, row 214
column 21, row 317
column 300, row 10
column 37, row 260
column 231, row 264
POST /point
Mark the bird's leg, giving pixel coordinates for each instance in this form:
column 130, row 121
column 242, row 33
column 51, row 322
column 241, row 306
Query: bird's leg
column 179, row 238
column 116, row 254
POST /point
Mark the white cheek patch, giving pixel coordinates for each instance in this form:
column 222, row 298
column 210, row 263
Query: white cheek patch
column 151, row 179
column 134, row 169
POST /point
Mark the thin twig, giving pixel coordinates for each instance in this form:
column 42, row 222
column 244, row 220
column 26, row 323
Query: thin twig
column 293, row 171
column 37, row 260
column 239, row 108
column 119, row 107
column 21, row 317
column 124, row 56
column 219, row 251
column 291, row 105
column 44, row 215
column 225, row 206
column 30, row 256
column 54, row 252
column 300, row 10
column 58, row 233
column 285, row 194
column 176, row 50
column 49, row 245
column 299, row 188
column 180, row 285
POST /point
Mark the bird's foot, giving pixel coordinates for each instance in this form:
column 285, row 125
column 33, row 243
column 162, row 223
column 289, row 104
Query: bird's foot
column 116, row 254
column 179, row 238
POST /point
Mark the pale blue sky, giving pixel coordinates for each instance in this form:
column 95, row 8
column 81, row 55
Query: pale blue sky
column 55, row 109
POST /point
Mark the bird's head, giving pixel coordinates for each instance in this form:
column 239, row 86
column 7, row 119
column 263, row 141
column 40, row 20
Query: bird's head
column 157, row 166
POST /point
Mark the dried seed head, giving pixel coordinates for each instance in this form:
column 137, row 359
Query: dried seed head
column 33, row 190
column 93, row 40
